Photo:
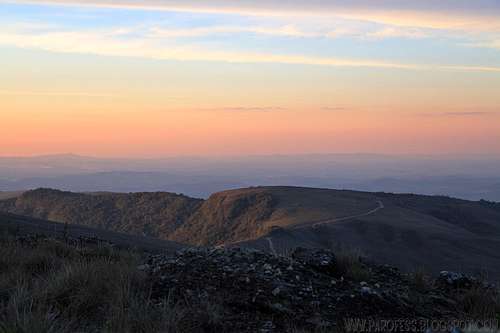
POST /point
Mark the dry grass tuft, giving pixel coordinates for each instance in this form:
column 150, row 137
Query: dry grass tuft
column 420, row 280
column 349, row 265
column 478, row 303
column 56, row 288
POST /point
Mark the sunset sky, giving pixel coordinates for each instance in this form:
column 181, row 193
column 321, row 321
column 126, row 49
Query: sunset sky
column 169, row 77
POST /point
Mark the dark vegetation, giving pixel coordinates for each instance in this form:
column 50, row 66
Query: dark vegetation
column 53, row 285
column 490, row 204
column 49, row 286
column 61, row 285
column 149, row 214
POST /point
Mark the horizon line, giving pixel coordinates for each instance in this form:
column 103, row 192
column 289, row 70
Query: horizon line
column 180, row 156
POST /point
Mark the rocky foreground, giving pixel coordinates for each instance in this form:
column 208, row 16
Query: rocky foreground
column 241, row 290
column 86, row 285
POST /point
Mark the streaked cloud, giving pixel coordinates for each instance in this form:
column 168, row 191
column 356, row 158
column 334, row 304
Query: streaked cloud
column 334, row 108
column 287, row 30
column 446, row 14
column 110, row 42
column 291, row 30
column 391, row 32
column 460, row 114
column 491, row 44
column 246, row 109
column 468, row 114
column 470, row 23
column 54, row 93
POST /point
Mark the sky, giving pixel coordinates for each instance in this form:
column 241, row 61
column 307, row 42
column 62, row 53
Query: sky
column 233, row 77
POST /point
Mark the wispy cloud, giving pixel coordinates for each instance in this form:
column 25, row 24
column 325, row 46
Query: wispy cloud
column 105, row 43
column 291, row 30
column 468, row 114
column 334, row 108
column 287, row 30
column 473, row 24
column 54, row 93
column 491, row 69
column 490, row 44
column 244, row 109
column 482, row 15
column 111, row 43
column 459, row 114
column 391, row 32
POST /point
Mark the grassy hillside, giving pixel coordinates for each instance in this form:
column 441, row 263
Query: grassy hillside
column 225, row 217
column 411, row 231
column 237, row 215
column 149, row 214
column 406, row 230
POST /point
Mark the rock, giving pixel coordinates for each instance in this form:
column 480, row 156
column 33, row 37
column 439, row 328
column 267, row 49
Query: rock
column 322, row 260
column 318, row 322
column 367, row 291
column 267, row 327
column 279, row 308
column 248, row 283
column 456, row 280
column 143, row 267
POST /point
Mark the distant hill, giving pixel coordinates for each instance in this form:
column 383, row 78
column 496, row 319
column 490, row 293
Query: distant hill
column 9, row 194
column 406, row 230
column 237, row 215
column 149, row 214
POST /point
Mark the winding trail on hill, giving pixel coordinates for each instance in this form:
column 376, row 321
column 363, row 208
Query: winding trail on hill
column 271, row 246
column 327, row 221
column 373, row 211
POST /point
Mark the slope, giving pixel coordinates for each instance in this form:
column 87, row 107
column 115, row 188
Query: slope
column 150, row 214
column 22, row 225
column 405, row 230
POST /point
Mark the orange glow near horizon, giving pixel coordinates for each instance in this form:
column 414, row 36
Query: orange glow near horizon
column 161, row 81
column 247, row 118
column 214, row 132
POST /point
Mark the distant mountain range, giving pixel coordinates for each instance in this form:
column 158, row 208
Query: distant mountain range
column 406, row 230
column 467, row 177
column 470, row 177
column 465, row 187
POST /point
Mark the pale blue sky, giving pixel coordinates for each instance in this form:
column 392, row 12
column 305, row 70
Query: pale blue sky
column 188, row 31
